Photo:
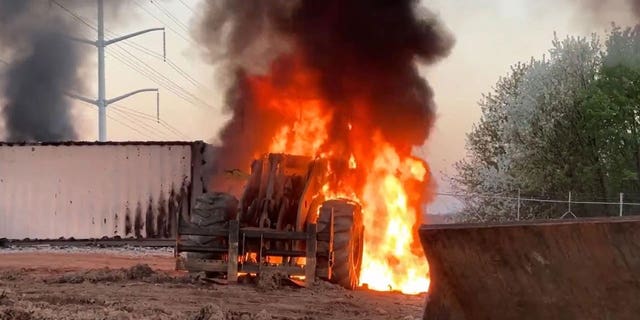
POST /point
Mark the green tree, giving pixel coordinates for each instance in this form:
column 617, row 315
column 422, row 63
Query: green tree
column 530, row 137
column 567, row 122
column 612, row 113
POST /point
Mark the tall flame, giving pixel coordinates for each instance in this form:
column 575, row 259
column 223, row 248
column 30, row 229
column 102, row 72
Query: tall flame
column 392, row 257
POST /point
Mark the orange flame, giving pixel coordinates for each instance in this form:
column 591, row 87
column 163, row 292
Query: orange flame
column 392, row 257
column 389, row 262
column 352, row 162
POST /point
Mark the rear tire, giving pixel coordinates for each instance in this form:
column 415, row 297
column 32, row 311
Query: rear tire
column 347, row 241
column 209, row 210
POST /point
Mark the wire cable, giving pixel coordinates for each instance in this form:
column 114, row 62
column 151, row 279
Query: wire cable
column 171, row 17
column 143, row 125
column 169, row 62
column 76, row 16
column 185, row 95
column 159, row 79
column 149, row 72
column 148, row 117
column 130, row 127
column 187, row 6
column 161, row 76
column 179, row 34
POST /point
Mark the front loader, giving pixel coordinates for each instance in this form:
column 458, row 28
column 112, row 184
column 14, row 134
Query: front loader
column 282, row 222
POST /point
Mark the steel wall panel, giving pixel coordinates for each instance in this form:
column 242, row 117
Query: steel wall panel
column 556, row 269
column 86, row 190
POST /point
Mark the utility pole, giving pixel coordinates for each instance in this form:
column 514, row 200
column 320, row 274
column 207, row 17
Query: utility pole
column 102, row 102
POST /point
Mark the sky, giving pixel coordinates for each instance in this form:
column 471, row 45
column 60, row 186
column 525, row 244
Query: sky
column 490, row 36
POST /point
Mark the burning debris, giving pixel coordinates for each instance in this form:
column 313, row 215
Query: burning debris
column 338, row 79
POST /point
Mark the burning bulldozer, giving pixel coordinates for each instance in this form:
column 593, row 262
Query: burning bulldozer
column 355, row 94
column 282, row 222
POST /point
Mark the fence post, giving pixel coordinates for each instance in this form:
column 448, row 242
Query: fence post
column 621, row 202
column 518, row 216
column 570, row 202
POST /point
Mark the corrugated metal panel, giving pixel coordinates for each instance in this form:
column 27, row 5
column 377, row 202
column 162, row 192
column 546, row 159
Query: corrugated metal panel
column 91, row 190
column 95, row 143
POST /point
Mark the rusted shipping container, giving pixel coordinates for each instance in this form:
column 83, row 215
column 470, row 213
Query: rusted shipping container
column 94, row 190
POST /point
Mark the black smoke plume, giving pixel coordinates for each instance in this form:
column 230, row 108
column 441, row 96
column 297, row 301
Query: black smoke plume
column 365, row 49
column 42, row 67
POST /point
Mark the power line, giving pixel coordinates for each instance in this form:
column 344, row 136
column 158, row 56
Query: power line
column 185, row 95
column 156, row 77
column 187, row 6
column 135, row 112
column 186, row 75
column 141, row 64
column 187, row 39
column 170, row 63
column 149, row 117
column 77, row 17
column 130, row 127
column 147, row 71
column 173, row 129
column 145, row 50
column 102, row 102
column 142, row 125
column 171, row 16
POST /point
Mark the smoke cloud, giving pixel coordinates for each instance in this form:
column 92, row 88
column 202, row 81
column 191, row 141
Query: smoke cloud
column 601, row 9
column 635, row 6
column 43, row 65
column 363, row 53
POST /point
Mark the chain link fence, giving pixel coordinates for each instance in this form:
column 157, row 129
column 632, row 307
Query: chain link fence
column 515, row 207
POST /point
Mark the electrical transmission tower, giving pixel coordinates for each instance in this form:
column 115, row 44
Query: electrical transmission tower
column 102, row 102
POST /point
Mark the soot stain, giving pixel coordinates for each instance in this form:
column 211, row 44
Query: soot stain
column 137, row 224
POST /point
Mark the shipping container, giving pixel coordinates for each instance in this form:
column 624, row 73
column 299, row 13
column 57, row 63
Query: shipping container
column 94, row 190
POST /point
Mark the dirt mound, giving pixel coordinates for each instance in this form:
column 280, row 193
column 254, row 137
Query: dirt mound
column 321, row 285
column 215, row 312
column 140, row 272
column 4, row 298
column 137, row 272
column 93, row 276
column 271, row 280
column 12, row 275
column 16, row 314
column 210, row 312
column 263, row 315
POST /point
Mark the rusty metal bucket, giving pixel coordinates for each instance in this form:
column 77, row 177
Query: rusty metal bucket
column 572, row 269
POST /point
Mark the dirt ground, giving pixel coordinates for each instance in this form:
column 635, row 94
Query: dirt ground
column 44, row 284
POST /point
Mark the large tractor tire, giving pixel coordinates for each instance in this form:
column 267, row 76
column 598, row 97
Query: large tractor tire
column 348, row 240
column 212, row 209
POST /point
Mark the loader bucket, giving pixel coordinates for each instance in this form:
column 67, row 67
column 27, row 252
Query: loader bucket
column 577, row 269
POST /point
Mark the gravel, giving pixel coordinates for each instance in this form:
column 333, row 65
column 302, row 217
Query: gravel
column 124, row 250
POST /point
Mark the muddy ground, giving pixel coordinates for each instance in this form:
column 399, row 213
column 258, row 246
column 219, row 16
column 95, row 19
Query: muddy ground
column 120, row 284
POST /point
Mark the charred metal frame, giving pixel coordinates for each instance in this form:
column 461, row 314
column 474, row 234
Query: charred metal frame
column 236, row 251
